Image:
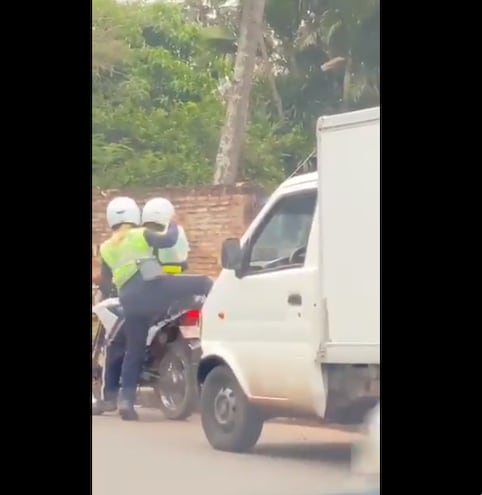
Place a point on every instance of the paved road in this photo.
(155, 456)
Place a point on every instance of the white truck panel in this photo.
(349, 201)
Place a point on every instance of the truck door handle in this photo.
(294, 299)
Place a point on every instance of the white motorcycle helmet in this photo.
(123, 210)
(159, 211)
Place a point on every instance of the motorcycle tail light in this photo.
(191, 318)
(189, 324)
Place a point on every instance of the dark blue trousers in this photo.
(114, 356)
(124, 359)
(135, 331)
(142, 302)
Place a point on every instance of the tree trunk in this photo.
(268, 66)
(232, 136)
(346, 98)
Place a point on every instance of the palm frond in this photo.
(364, 87)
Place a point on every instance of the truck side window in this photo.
(281, 240)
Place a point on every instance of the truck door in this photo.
(274, 317)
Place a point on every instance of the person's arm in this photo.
(162, 241)
(105, 284)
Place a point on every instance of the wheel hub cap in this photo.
(224, 406)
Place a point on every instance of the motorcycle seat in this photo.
(116, 309)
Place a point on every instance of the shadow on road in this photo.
(339, 453)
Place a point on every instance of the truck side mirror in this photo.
(231, 254)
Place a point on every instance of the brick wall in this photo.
(209, 214)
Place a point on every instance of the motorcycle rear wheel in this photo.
(177, 371)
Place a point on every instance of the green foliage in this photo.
(350, 29)
(157, 112)
(157, 68)
(156, 115)
(271, 152)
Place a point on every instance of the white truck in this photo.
(291, 327)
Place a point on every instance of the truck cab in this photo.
(292, 324)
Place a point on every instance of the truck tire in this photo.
(229, 421)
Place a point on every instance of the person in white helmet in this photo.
(143, 300)
(121, 257)
(157, 215)
(122, 214)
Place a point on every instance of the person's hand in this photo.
(334, 64)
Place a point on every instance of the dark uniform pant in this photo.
(135, 331)
(124, 359)
(142, 302)
(114, 355)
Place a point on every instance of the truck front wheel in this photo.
(229, 422)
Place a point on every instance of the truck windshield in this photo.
(286, 229)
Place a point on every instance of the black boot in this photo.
(127, 411)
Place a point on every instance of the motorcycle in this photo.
(173, 351)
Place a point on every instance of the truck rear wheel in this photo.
(229, 421)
